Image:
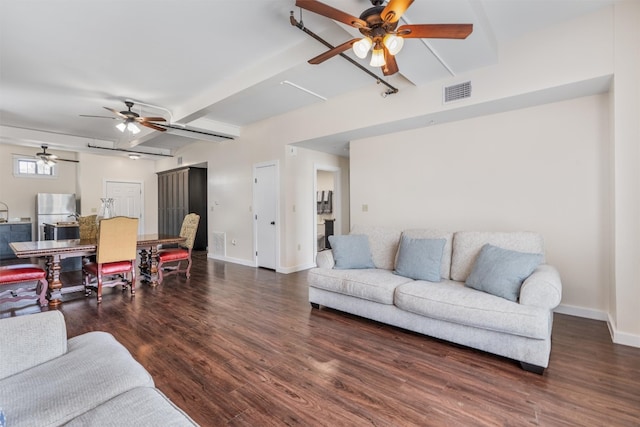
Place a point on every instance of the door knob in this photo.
(273, 223)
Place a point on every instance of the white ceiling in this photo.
(217, 65)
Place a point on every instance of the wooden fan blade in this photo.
(330, 12)
(394, 10)
(333, 52)
(150, 119)
(117, 113)
(391, 66)
(152, 126)
(97, 117)
(435, 31)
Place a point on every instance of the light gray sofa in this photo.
(88, 380)
(447, 309)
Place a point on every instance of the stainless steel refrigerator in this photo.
(53, 208)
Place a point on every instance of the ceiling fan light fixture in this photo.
(128, 125)
(361, 47)
(377, 58)
(393, 43)
(45, 158)
(133, 128)
(44, 161)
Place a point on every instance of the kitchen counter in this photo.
(63, 224)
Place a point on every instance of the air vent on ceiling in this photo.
(457, 92)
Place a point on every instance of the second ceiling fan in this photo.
(131, 118)
(379, 25)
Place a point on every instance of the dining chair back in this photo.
(115, 256)
(170, 256)
(88, 227)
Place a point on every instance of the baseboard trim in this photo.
(587, 313)
(232, 260)
(294, 269)
(623, 338)
(283, 270)
(617, 337)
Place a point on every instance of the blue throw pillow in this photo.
(420, 259)
(351, 251)
(501, 272)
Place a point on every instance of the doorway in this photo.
(128, 200)
(265, 214)
(328, 207)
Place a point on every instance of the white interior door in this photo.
(127, 200)
(265, 215)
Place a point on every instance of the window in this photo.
(29, 167)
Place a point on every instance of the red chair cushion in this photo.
(21, 273)
(108, 268)
(177, 254)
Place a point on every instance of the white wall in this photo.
(624, 313)
(542, 169)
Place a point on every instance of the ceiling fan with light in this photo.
(379, 26)
(50, 159)
(130, 119)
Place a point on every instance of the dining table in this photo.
(54, 251)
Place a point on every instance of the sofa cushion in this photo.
(467, 246)
(141, 406)
(427, 233)
(47, 338)
(420, 259)
(501, 272)
(453, 302)
(351, 251)
(376, 285)
(383, 242)
(95, 368)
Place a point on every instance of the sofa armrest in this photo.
(324, 259)
(30, 340)
(543, 288)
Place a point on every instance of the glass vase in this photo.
(106, 210)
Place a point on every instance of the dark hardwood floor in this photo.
(241, 346)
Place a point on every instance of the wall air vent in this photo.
(457, 92)
(219, 244)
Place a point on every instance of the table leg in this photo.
(144, 263)
(153, 266)
(53, 276)
(149, 265)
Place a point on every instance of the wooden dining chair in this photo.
(24, 274)
(88, 227)
(170, 256)
(115, 262)
(88, 231)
